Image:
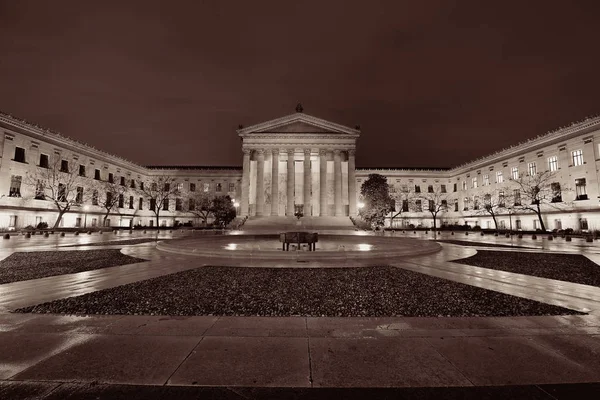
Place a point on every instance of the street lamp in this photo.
(236, 205)
(85, 210)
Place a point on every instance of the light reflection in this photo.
(365, 247)
(231, 246)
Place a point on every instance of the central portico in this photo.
(298, 160)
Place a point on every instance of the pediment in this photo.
(298, 123)
(297, 127)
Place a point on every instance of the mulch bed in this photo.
(41, 264)
(563, 267)
(332, 292)
(479, 244)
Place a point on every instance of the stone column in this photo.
(352, 182)
(323, 182)
(289, 211)
(275, 182)
(260, 183)
(307, 184)
(245, 183)
(337, 187)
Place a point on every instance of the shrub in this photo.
(29, 228)
(476, 228)
(42, 225)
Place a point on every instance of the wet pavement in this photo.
(67, 353)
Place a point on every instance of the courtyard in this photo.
(463, 315)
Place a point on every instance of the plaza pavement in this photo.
(298, 352)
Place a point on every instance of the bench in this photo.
(299, 237)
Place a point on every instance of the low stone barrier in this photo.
(310, 238)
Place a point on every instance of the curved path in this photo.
(45, 351)
(570, 295)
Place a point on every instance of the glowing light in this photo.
(236, 204)
(365, 247)
(231, 246)
(361, 205)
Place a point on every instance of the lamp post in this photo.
(85, 210)
(236, 205)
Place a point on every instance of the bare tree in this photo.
(533, 192)
(495, 203)
(436, 201)
(200, 204)
(159, 190)
(61, 184)
(109, 194)
(401, 198)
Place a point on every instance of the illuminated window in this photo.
(474, 182)
(515, 172)
(577, 157)
(531, 168)
(206, 187)
(486, 180)
(553, 163)
(499, 177)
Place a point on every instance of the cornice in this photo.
(553, 137)
(297, 117)
(55, 137)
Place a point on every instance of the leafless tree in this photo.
(159, 190)
(109, 194)
(495, 203)
(200, 204)
(436, 202)
(401, 197)
(61, 184)
(533, 192)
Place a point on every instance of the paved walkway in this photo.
(300, 352)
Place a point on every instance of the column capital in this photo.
(352, 152)
(246, 151)
(260, 151)
(275, 151)
(307, 152)
(323, 152)
(337, 152)
(290, 152)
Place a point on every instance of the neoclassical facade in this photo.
(303, 163)
(298, 162)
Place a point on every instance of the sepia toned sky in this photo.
(432, 83)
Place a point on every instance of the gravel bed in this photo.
(40, 264)
(332, 292)
(117, 242)
(480, 244)
(563, 267)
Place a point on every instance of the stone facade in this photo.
(300, 161)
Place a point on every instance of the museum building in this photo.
(303, 163)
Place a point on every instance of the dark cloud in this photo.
(431, 83)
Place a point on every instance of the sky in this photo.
(431, 83)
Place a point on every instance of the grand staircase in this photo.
(283, 224)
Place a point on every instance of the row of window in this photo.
(64, 167)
